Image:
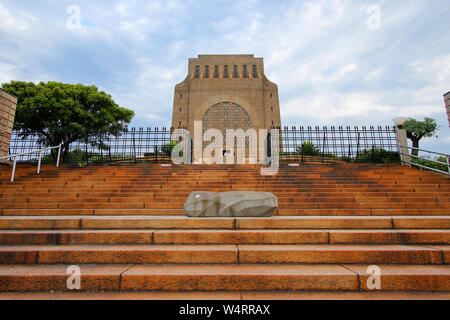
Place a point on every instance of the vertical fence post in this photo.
(357, 145)
(14, 169)
(302, 153)
(399, 150)
(101, 150)
(59, 155)
(373, 154)
(86, 155)
(134, 145)
(323, 148)
(39, 162)
(448, 164)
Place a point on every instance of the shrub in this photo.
(168, 147)
(432, 164)
(378, 155)
(308, 149)
(79, 157)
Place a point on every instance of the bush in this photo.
(168, 147)
(80, 157)
(432, 164)
(308, 149)
(378, 155)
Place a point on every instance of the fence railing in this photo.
(332, 143)
(147, 146)
(426, 163)
(132, 146)
(39, 152)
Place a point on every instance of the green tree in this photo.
(308, 149)
(59, 113)
(416, 130)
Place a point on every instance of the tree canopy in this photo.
(416, 130)
(59, 113)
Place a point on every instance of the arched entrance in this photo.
(226, 115)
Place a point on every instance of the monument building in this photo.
(7, 112)
(226, 92)
(447, 105)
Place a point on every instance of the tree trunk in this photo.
(54, 154)
(65, 152)
(415, 145)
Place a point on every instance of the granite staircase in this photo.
(125, 228)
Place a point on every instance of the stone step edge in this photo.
(226, 295)
(314, 277)
(79, 222)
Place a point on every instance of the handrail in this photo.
(31, 152)
(431, 160)
(441, 154)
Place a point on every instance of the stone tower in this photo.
(226, 92)
(447, 106)
(7, 113)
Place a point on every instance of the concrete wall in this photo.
(7, 112)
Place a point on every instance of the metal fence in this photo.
(297, 144)
(131, 146)
(328, 144)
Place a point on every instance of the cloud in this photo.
(330, 68)
(14, 23)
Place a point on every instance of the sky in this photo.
(336, 62)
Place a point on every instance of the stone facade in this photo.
(226, 91)
(447, 105)
(7, 112)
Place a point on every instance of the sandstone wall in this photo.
(207, 84)
(447, 105)
(7, 112)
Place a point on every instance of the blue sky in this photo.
(331, 66)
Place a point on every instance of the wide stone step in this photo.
(21, 237)
(180, 212)
(284, 197)
(113, 254)
(92, 212)
(348, 254)
(329, 186)
(221, 254)
(180, 205)
(224, 277)
(381, 196)
(164, 197)
(362, 212)
(298, 237)
(227, 295)
(183, 222)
